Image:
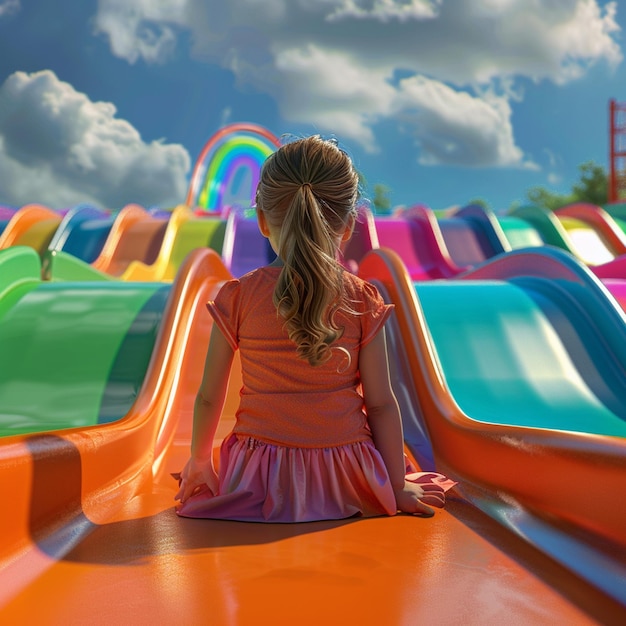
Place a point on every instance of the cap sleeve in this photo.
(375, 312)
(225, 311)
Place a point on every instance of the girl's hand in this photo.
(408, 500)
(195, 478)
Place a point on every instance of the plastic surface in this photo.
(522, 387)
(73, 354)
(136, 235)
(416, 237)
(184, 233)
(82, 232)
(617, 288)
(486, 220)
(6, 213)
(89, 473)
(552, 263)
(579, 229)
(617, 212)
(19, 268)
(33, 225)
(60, 266)
(519, 232)
(91, 535)
(613, 269)
(588, 244)
(546, 224)
(601, 222)
(526, 370)
(472, 234)
(244, 248)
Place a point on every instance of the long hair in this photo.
(308, 190)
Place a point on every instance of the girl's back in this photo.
(284, 399)
(318, 432)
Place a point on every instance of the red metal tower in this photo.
(617, 152)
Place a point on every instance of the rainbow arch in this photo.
(231, 158)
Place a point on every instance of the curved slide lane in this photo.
(521, 379)
(599, 221)
(71, 356)
(184, 232)
(92, 537)
(416, 236)
(472, 234)
(32, 225)
(83, 232)
(91, 447)
(135, 235)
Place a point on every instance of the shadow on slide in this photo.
(94, 379)
(520, 371)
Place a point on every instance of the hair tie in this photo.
(303, 185)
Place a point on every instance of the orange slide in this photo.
(33, 225)
(135, 235)
(89, 535)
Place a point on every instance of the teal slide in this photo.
(512, 380)
(519, 353)
(532, 339)
(71, 354)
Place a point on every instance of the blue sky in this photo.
(443, 101)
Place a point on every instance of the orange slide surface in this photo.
(89, 534)
(135, 235)
(33, 225)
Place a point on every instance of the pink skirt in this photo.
(262, 482)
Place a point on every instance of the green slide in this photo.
(519, 232)
(71, 354)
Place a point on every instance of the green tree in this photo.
(381, 201)
(480, 202)
(548, 199)
(592, 187)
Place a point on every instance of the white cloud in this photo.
(8, 7)
(59, 148)
(384, 10)
(329, 89)
(554, 179)
(332, 63)
(226, 116)
(454, 127)
(585, 37)
(141, 28)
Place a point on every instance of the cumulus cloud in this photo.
(59, 148)
(456, 128)
(335, 63)
(329, 89)
(141, 28)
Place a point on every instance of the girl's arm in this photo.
(199, 470)
(383, 415)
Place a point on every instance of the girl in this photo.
(318, 432)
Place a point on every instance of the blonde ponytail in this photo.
(308, 189)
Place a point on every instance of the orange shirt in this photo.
(284, 400)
